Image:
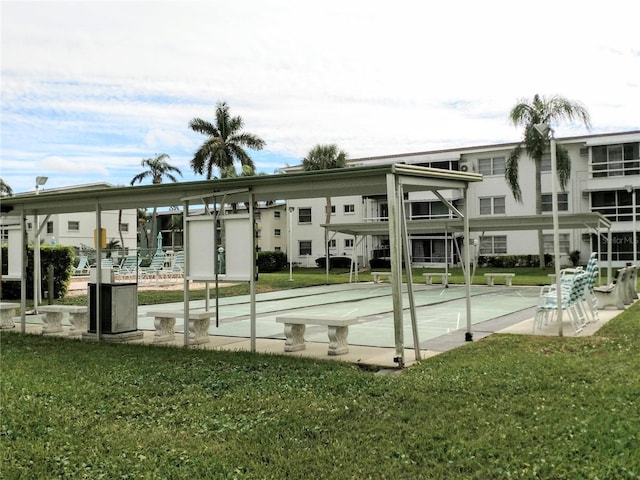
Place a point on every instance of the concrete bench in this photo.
(7, 313)
(53, 315)
(444, 277)
(378, 275)
(338, 331)
(197, 323)
(507, 278)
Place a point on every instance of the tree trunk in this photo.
(538, 174)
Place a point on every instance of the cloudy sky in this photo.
(90, 89)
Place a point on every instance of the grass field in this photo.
(505, 407)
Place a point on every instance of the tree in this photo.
(528, 113)
(325, 157)
(225, 144)
(158, 169)
(5, 189)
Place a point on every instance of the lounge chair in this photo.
(83, 266)
(154, 270)
(613, 295)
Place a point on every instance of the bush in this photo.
(271, 261)
(376, 263)
(334, 262)
(512, 261)
(62, 259)
(575, 257)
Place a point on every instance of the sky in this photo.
(89, 89)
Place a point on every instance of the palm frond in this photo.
(563, 166)
(511, 173)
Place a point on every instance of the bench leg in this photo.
(164, 329)
(428, 280)
(507, 281)
(338, 340)
(6, 318)
(79, 324)
(445, 281)
(198, 331)
(52, 322)
(490, 281)
(294, 337)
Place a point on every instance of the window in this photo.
(257, 215)
(563, 202)
(333, 209)
(493, 245)
(348, 243)
(491, 166)
(304, 215)
(304, 247)
(492, 206)
(73, 226)
(276, 214)
(349, 209)
(615, 160)
(332, 243)
(545, 164)
(564, 243)
(277, 249)
(49, 227)
(124, 227)
(276, 232)
(435, 209)
(615, 205)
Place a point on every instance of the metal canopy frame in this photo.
(392, 180)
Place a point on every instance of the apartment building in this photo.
(77, 229)
(605, 178)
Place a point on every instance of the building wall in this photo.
(582, 186)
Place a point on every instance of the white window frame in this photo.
(301, 216)
(563, 202)
(349, 209)
(75, 224)
(306, 245)
(489, 166)
(493, 245)
(496, 205)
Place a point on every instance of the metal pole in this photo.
(467, 264)
(556, 228)
(633, 227)
(396, 267)
(252, 278)
(291, 210)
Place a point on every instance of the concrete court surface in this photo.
(440, 312)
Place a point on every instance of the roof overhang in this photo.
(316, 184)
(482, 224)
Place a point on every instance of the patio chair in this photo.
(154, 270)
(107, 263)
(129, 267)
(589, 297)
(83, 266)
(572, 287)
(176, 269)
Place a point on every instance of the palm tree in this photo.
(225, 144)
(158, 169)
(325, 157)
(528, 113)
(5, 189)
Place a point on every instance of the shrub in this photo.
(271, 261)
(62, 259)
(334, 262)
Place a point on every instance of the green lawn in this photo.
(506, 407)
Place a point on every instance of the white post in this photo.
(556, 228)
(290, 254)
(633, 227)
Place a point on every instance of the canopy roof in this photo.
(482, 224)
(315, 184)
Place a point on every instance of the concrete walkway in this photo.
(440, 318)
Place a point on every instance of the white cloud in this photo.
(110, 83)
